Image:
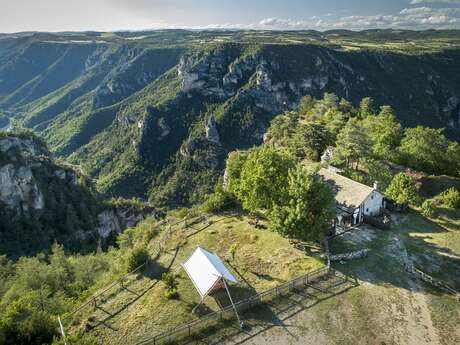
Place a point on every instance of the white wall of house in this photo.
(373, 204)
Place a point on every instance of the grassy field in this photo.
(387, 307)
(391, 307)
(262, 260)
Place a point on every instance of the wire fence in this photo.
(194, 327)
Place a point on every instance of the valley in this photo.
(123, 153)
(132, 108)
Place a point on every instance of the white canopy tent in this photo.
(207, 272)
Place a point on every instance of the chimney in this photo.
(376, 185)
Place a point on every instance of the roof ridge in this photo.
(347, 178)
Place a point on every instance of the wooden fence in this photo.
(433, 281)
(123, 281)
(196, 326)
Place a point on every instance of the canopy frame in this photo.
(220, 278)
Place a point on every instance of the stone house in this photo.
(354, 200)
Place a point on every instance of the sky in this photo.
(113, 15)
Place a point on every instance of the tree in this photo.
(24, 322)
(263, 179)
(385, 132)
(233, 170)
(377, 172)
(453, 156)
(282, 128)
(346, 107)
(335, 121)
(425, 149)
(310, 140)
(402, 189)
(329, 101)
(366, 107)
(306, 104)
(353, 144)
(309, 212)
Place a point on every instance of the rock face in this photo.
(140, 107)
(113, 221)
(212, 134)
(18, 189)
(274, 79)
(42, 202)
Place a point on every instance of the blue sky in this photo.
(75, 15)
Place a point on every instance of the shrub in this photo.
(219, 202)
(137, 257)
(171, 293)
(171, 285)
(449, 198)
(232, 251)
(428, 208)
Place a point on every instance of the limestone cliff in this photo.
(43, 201)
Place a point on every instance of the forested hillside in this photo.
(43, 201)
(154, 114)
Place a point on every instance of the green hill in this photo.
(132, 108)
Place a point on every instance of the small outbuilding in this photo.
(354, 200)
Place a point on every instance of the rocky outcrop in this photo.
(115, 220)
(14, 146)
(212, 134)
(19, 190)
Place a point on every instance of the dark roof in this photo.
(348, 193)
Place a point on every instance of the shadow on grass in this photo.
(153, 271)
(276, 313)
(409, 237)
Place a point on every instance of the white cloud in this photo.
(408, 18)
(451, 2)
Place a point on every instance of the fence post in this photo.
(61, 326)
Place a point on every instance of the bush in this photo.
(232, 251)
(171, 293)
(219, 202)
(428, 208)
(78, 339)
(137, 257)
(171, 285)
(449, 198)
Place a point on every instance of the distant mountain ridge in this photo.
(135, 109)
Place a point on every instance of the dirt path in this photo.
(420, 328)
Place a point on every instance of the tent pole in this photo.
(240, 323)
(194, 308)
